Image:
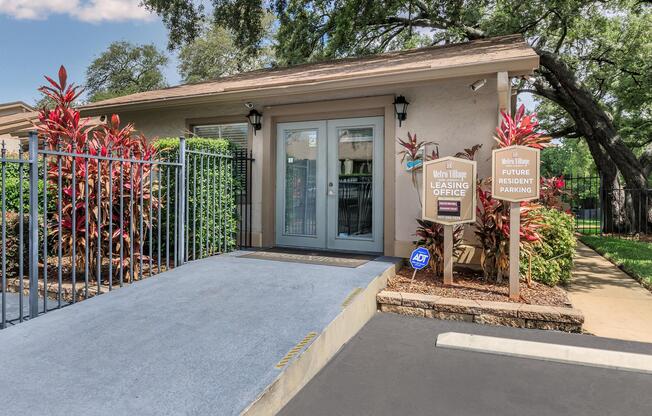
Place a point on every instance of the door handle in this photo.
(330, 189)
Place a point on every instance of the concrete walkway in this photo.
(202, 339)
(614, 304)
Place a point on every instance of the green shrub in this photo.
(552, 257)
(12, 187)
(216, 222)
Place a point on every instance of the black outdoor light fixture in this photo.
(254, 119)
(400, 106)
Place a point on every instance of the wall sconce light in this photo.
(254, 119)
(400, 107)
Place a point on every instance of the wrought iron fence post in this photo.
(33, 225)
(181, 189)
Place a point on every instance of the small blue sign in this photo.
(419, 258)
(413, 164)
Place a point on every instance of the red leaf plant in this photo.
(519, 130)
(552, 191)
(62, 129)
(430, 234)
(492, 230)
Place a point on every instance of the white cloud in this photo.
(84, 10)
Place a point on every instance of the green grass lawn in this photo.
(587, 226)
(635, 257)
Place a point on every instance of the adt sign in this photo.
(419, 258)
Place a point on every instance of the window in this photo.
(236, 133)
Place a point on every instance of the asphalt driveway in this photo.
(392, 367)
(202, 339)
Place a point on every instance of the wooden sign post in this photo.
(449, 198)
(515, 171)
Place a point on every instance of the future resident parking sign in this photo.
(515, 174)
(449, 186)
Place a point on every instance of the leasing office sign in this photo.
(515, 172)
(449, 191)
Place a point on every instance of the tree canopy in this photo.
(125, 68)
(595, 55)
(215, 53)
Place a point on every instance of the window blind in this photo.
(236, 133)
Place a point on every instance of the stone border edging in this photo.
(515, 315)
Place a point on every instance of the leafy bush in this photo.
(12, 186)
(492, 216)
(492, 229)
(64, 129)
(215, 224)
(552, 256)
(552, 192)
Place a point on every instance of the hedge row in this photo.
(212, 213)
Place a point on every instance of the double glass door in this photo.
(329, 184)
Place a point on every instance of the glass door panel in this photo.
(300, 182)
(355, 157)
(355, 184)
(301, 167)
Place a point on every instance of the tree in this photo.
(123, 69)
(215, 54)
(567, 157)
(595, 55)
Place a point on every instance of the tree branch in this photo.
(570, 132)
(646, 160)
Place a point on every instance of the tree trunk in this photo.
(611, 195)
(595, 124)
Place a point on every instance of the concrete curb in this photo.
(297, 374)
(567, 354)
(515, 315)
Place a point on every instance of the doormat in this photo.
(325, 258)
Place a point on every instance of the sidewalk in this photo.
(614, 304)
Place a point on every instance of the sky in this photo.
(37, 36)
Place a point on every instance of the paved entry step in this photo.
(325, 258)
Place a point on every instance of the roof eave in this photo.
(515, 67)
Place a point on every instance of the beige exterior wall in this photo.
(445, 111)
(12, 143)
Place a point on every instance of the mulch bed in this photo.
(471, 285)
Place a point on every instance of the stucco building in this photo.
(331, 127)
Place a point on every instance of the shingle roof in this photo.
(499, 49)
(20, 123)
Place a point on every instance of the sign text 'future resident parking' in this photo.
(515, 174)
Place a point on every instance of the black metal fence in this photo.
(242, 166)
(77, 223)
(602, 209)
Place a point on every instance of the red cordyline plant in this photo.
(431, 235)
(492, 229)
(63, 129)
(414, 150)
(552, 191)
(519, 130)
(492, 216)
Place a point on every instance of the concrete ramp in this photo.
(218, 336)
